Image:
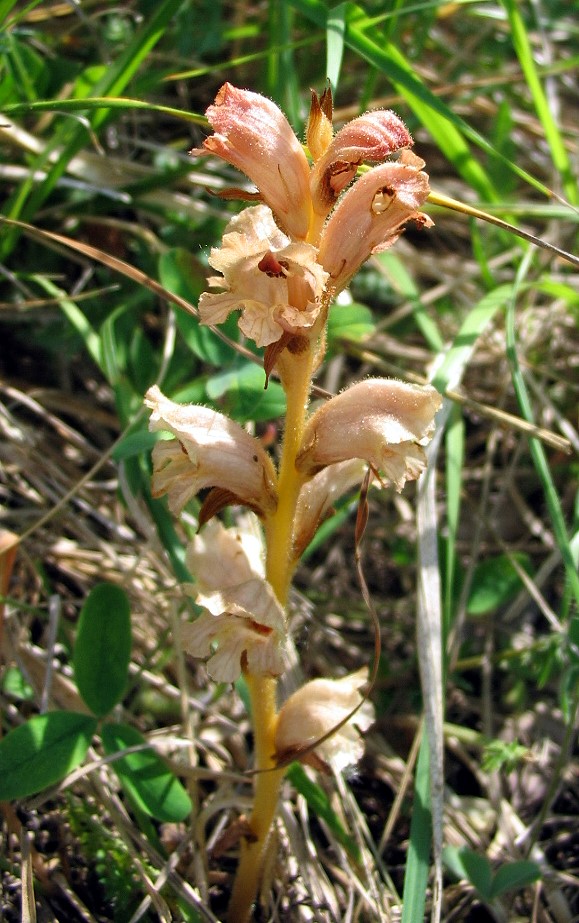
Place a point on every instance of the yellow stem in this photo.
(296, 376)
(295, 373)
(247, 880)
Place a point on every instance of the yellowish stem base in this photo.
(296, 373)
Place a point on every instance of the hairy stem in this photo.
(295, 373)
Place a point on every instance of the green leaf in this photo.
(514, 876)
(145, 777)
(182, 274)
(14, 685)
(244, 394)
(103, 648)
(495, 581)
(42, 752)
(335, 30)
(137, 443)
(468, 865)
(319, 804)
(574, 638)
(351, 322)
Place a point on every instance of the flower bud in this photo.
(318, 495)
(319, 132)
(371, 137)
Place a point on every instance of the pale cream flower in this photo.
(221, 557)
(276, 284)
(242, 617)
(311, 713)
(209, 450)
(242, 644)
(383, 421)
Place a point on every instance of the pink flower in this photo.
(278, 285)
(209, 450)
(383, 421)
(372, 216)
(371, 137)
(253, 134)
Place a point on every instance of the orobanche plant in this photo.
(280, 264)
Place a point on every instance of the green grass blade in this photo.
(124, 69)
(101, 102)
(535, 447)
(448, 129)
(77, 319)
(335, 31)
(5, 7)
(552, 134)
(417, 865)
(440, 122)
(450, 370)
(67, 140)
(402, 282)
(455, 457)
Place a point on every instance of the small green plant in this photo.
(500, 755)
(469, 865)
(46, 748)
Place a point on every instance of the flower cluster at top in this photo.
(281, 262)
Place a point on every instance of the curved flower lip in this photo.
(372, 215)
(311, 713)
(276, 283)
(209, 450)
(240, 642)
(253, 134)
(372, 137)
(383, 421)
